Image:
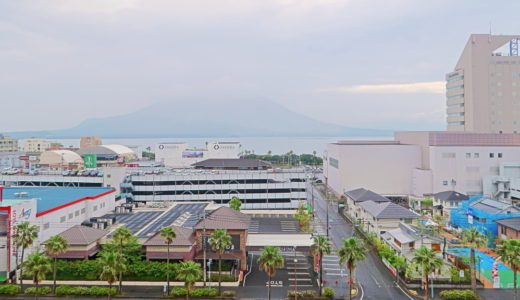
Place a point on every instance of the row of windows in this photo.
(503, 62)
(216, 192)
(455, 123)
(458, 114)
(455, 96)
(456, 105)
(456, 78)
(70, 216)
(454, 88)
(477, 155)
(216, 181)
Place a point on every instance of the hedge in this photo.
(204, 292)
(9, 289)
(458, 295)
(64, 290)
(44, 290)
(228, 294)
(308, 294)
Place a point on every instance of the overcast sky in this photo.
(362, 63)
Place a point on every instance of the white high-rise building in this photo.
(483, 92)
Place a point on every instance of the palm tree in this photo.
(352, 251)
(54, 246)
(428, 260)
(473, 239)
(399, 264)
(24, 237)
(111, 264)
(235, 203)
(168, 234)
(219, 242)
(122, 235)
(509, 252)
(189, 272)
(321, 245)
(270, 259)
(37, 265)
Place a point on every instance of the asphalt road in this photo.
(377, 282)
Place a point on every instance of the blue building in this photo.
(481, 212)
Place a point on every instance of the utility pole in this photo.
(327, 199)
(204, 241)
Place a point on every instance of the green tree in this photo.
(428, 261)
(473, 239)
(321, 245)
(189, 272)
(168, 234)
(269, 260)
(235, 203)
(37, 265)
(352, 252)
(400, 264)
(219, 241)
(303, 216)
(54, 246)
(111, 264)
(24, 237)
(122, 236)
(440, 222)
(509, 252)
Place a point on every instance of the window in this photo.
(76, 213)
(476, 155)
(448, 155)
(468, 155)
(46, 226)
(503, 230)
(458, 96)
(459, 114)
(82, 211)
(71, 215)
(456, 105)
(456, 123)
(454, 88)
(334, 162)
(63, 219)
(95, 208)
(491, 155)
(499, 155)
(445, 182)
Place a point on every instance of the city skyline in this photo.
(340, 62)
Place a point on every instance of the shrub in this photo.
(204, 292)
(328, 292)
(458, 295)
(9, 289)
(44, 290)
(228, 294)
(178, 292)
(309, 293)
(454, 274)
(64, 290)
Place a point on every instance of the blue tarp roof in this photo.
(50, 197)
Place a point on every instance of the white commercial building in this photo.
(36, 145)
(52, 209)
(179, 155)
(483, 92)
(419, 163)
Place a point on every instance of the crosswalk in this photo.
(298, 270)
(253, 226)
(289, 225)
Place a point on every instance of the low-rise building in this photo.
(406, 238)
(355, 197)
(182, 247)
(83, 241)
(444, 202)
(8, 144)
(509, 228)
(61, 159)
(89, 141)
(380, 217)
(36, 145)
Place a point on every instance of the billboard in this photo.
(90, 161)
(192, 154)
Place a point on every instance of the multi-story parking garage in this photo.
(258, 189)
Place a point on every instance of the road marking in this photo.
(298, 273)
(373, 278)
(404, 292)
(334, 274)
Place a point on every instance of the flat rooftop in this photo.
(51, 197)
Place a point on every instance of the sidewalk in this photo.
(128, 283)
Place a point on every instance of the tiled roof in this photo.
(184, 237)
(360, 195)
(494, 206)
(387, 210)
(225, 218)
(513, 223)
(450, 196)
(82, 235)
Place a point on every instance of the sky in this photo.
(360, 63)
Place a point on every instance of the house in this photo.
(482, 212)
(84, 242)
(354, 197)
(236, 224)
(406, 238)
(444, 202)
(380, 217)
(509, 228)
(183, 246)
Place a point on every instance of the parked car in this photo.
(100, 174)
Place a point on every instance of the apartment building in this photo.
(419, 163)
(8, 144)
(36, 145)
(483, 91)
